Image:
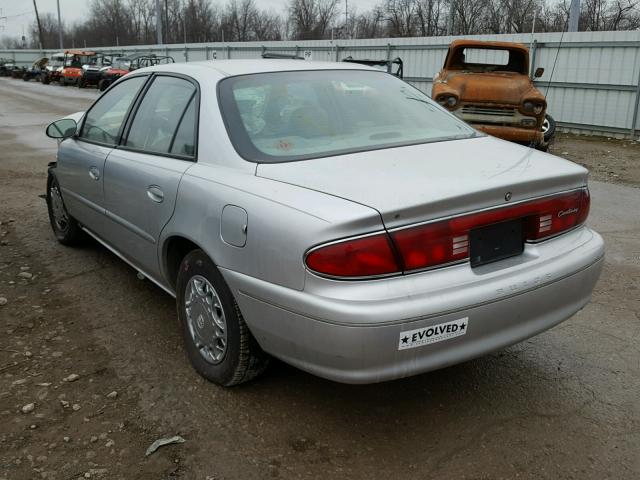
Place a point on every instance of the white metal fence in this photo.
(595, 87)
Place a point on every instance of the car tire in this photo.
(65, 227)
(218, 342)
(46, 80)
(548, 128)
(103, 85)
(82, 83)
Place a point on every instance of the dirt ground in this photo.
(608, 159)
(562, 405)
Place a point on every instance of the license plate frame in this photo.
(496, 242)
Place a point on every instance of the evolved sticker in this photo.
(432, 334)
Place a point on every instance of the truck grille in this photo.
(491, 111)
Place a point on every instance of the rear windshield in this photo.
(285, 116)
(483, 60)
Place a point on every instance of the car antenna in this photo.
(555, 60)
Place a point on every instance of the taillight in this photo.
(446, 241)
(360, 257)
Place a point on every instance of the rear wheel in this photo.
(45, 79)
(103, 85)
(82, 83)
(65, 227)
(218, 342)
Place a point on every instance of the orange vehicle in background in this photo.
(73, 62)
(487, 84)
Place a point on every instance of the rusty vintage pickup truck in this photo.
(487, 84)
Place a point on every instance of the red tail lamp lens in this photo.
(441, 242)
(447, 241)
(360, 257)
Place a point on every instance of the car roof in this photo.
(226, 68)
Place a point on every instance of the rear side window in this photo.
(103, 121)
(163, 116)
(184, 142)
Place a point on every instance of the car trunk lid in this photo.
(424, 182)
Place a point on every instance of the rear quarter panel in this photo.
(284, 221)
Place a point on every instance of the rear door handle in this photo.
(94, 173)
(155, 194)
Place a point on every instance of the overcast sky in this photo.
(19, 13)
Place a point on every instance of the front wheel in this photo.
(218, 342)
(548, 128)
(65, 227)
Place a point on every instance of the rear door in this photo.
(81, 158)
(142, 175)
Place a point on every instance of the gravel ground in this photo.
(608, 159)
(562, 405)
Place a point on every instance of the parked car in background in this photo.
(487, 84)
(6, 66)
(53, 69)
(328, 214)
(92, 71)
(37, 70)
(73, 62)
(17, 71)
(118, 68)
(127, 64)
(143, 61)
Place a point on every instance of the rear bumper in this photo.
(513, 134)
(343, 336)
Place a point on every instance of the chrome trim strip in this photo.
(127, 261)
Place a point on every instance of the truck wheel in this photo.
(548, 128)
(103, 85)
(218, 342)
(46, 80)
(65, 227)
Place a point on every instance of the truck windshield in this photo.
(285, 116)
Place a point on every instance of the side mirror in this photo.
(64, 128)
(539, 72)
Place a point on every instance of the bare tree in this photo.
(401, 17)
(130, 22)
(311, 19)
(428, 16)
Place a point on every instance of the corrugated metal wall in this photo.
(595, 86)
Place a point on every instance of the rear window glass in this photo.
(488, 60)
(486, 56)
(285, 116)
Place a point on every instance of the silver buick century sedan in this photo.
(326, 214)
